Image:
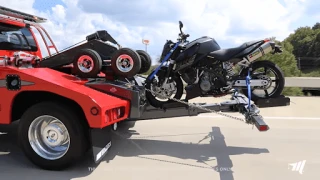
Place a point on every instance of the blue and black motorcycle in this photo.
(209, 70)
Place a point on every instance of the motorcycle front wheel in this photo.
(265, 70)
(159, 95)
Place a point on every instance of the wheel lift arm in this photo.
(238, 103)
(140, 110)
(134, 91)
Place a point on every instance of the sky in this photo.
(230, 22)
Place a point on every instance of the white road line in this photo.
(265, 117)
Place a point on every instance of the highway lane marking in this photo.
(265, 117)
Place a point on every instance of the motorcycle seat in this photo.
(227, 54)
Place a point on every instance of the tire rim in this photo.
(48, 137)
(269, 86)
(85, 63)
(124, 63)
(162, 94)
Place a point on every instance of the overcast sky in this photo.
(230, 22)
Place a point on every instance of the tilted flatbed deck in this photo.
(141, 110)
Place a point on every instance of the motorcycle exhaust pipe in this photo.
(261, 51)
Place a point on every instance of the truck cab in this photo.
(54, 108)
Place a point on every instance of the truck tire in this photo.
(145, 61)
(87, 63)
(64, 130)
(126, 62)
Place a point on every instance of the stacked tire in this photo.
(125, 62)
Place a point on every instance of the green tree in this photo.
(314, 50)
(306, 41)
(316, 26)
(301, 41)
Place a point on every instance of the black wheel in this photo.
(145, 61)
(174, 87)
(126, 62)
(87, 63)
(264, 70)
(52, 136)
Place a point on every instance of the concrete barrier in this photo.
(303, 82)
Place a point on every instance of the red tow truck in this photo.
(62, 114)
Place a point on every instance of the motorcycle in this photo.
(209, 70)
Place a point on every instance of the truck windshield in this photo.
(16, 38)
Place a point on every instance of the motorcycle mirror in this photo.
(180, 25)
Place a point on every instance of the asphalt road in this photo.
(203, 147)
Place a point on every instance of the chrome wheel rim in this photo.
(163, 93)
(49, 137)
(268, 89)
(85, 63)
(124, 63)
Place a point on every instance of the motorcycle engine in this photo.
(189, 76)
(212, 80)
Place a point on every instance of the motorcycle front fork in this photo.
(167, 74)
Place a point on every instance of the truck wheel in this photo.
(126, 62)
(52, 136)
(145, 61)
(87, 63)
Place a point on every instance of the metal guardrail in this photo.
(303, 82)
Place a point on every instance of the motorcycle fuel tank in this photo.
(206, 45)
(200, 46)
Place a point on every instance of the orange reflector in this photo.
(94, 111)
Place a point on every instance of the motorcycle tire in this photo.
(87, 63)
(126, 57)
(276, 70)
(145, 61)
(159, 104)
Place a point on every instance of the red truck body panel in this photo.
(48, 80)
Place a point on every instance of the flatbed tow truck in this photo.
(63, 116)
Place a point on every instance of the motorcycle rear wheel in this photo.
(279, 80)
(152, 98)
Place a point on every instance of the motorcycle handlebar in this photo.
(184, 36)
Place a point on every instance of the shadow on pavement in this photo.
(217, 148)
(14, 165)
